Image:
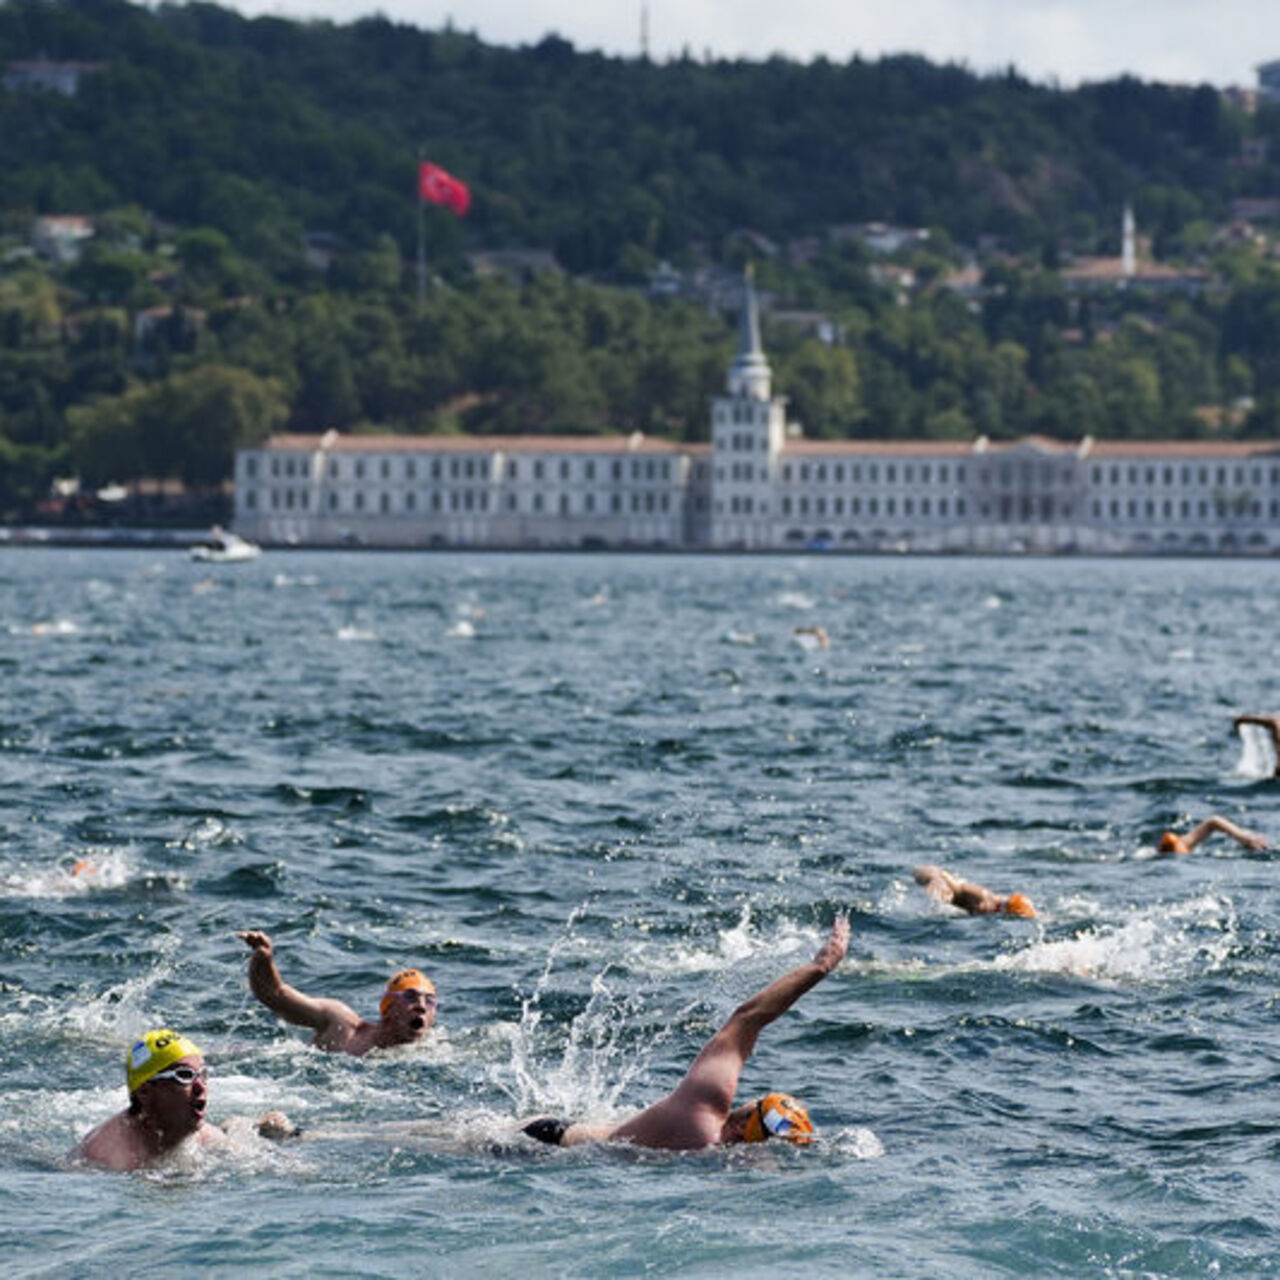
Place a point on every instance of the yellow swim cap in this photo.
(155, 1051)
(1171, 843)
(778, 1115)
(1018, 904)
(406, 980)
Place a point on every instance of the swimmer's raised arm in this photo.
(285, 1001)
(716, 1069)
(1248, 839)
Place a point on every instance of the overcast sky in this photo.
(1188, 41)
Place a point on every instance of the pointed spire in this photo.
(749, 374)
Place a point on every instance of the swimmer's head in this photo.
(153, 1053)
(1018, 904)
(778, 1115)
(1171, 843)
(406, 980)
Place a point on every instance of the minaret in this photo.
(749, 374)
(644, 32)
(1128, 255)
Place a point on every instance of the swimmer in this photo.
(812, 637)
(168, 1092)
(699, 1111)
(408, 1006)
(973, 898)
(1271, 724)
(1170, 842)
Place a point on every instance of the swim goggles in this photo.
(184, 1075)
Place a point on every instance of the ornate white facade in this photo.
(760, 486)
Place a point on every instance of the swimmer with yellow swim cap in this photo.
(1171, 842)
(168, 1092)
(407, 1009)
(699, 1111)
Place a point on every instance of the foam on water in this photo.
(1159, 944)
(91, 871)
(1257, 752)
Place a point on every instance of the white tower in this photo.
(749, 374)
(748, 431)
(1128, 252)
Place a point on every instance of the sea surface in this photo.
(601, 800)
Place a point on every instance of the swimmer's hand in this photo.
(833, 950)
(276, 1126)
(258, 942)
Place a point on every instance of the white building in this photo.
(761, 486)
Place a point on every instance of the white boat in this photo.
(224, 547)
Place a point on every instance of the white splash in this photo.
(1160, 944)
(92, 871)
(1257, 752)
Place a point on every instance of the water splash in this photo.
(1161, 944)
(1257, 752)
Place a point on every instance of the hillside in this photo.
(247, 189)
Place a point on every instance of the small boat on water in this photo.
(224, 547)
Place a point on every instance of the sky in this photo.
(1065, 41)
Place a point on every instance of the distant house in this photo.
(1255, 208)
(58, 237)
(180, 324)
(902, 280)
(53, 77)
(665, 281)
(880, 237)
(816, 324)
(519, 265)
(319, 248)
(1094, 274)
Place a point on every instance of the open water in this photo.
(601, 800)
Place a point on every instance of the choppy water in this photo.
(601, 800)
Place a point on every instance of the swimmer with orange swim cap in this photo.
(976, 899)
(1171, 842)
(168, 1092)
(407, 1009)
(699, 1111)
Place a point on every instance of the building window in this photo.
(564, 468)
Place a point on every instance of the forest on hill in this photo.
(212, 154)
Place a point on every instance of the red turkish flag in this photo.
(437, 186)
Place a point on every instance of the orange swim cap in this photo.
(778, 1115)
(1017, 904)
(405, 980)
(1170, 843)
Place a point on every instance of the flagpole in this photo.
(422, 238)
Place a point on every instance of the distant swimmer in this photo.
(973, 898)
(812, 637)
(168, 1092)
(1171, 842)
(408, 1007)
(699, 1111)
(1271, 724)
